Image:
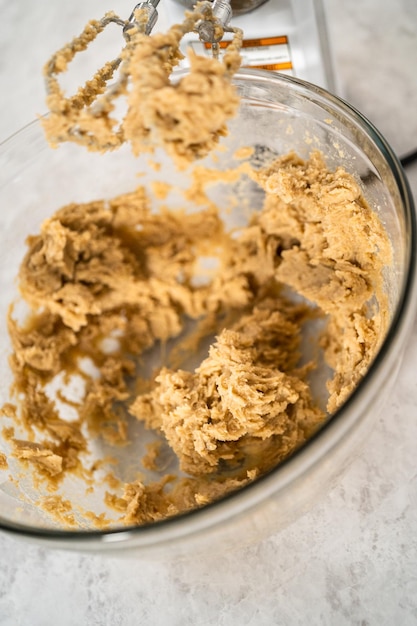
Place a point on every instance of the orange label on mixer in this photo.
(266, 53)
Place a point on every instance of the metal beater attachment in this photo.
(212, 31)
(209, 29)
(88, 118)
(149, 16)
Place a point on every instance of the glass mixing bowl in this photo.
(278, 114)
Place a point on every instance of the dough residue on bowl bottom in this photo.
(111, 282)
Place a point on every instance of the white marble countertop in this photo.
(350, 560)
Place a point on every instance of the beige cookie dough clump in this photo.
(186, 115)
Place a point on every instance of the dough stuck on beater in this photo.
(185, 115)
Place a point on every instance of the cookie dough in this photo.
(3, 461)
(111, 282)
(186, 116)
